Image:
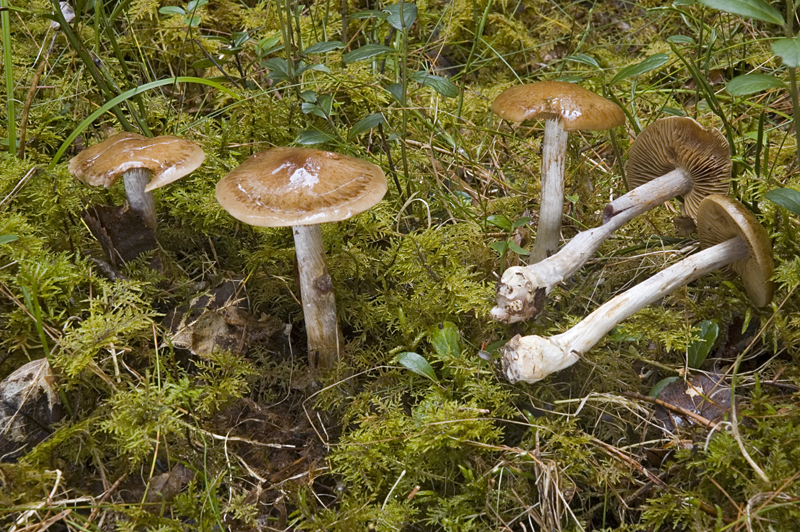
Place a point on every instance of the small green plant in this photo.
(503, 247)
(190, 18)
(787, 48)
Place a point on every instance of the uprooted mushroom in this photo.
(671, 157)
(732, 239)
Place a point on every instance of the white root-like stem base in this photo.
(532, 358)
(319, 303)
(517, 289)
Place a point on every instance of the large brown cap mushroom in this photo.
(577, 108)
(679, 142)
(168, 158)
(300, 186)
(721, 218)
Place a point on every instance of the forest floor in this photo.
(173, 390)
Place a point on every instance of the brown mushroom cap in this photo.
(300, 186)
(578, 108)
(680, 142)
(168, 158)
(721, 218)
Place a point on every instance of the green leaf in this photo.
(5, 239)
(323, 47)
(501, 246)
(519, 222)
(752, 83)
(270, 44)
(651, 63)
(499, 220)
(172, 10)
(516, 249)
(444, 338)
(396, 90)
(680, 39)
(366, 52)
(656, 390)
(194, 5)
(192, 22)
(125, 96)
(583, 58)
(785, 197)
(313, 136)
(747, 8)
(365, 124)
(369, 13)
(789, 50)
(409, 15)
(278, 68)
(417, 364)
(706, 338)
(440, 84)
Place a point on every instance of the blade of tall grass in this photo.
(125, 96)
(9, 68)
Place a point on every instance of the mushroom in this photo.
(732, 240)
(302, 188)
(137, 158)
(671, 157)
(564, 107)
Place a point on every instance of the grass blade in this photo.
(125, 96)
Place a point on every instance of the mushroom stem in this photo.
(517, 286)
(554, 150)
(316, 292)
(532, 358)
(139, 201)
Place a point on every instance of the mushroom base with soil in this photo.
(518, 286)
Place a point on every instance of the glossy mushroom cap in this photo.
(680, 142)
(168, 158)
(300, 186)
(721, 218)
(578, 108)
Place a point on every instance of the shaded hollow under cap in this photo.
(169, 158)
(579, 109)
(680, 142)
(300, 186)
(721, 218)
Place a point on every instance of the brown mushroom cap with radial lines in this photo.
(579, 109)
(680, 142)
(168, 158)
(721, 218)
(300, 186)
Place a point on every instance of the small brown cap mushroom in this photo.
(577, 108)
(168, 158)
(680, 142)
(300, 186)
(721, 218)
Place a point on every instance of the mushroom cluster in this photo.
(732, 239)
(671, 157)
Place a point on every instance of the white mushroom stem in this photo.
(316, 292)
(516, 289)
(554, 151)
(532, 358)
(139, 201)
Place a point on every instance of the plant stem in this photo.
(9, 68)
